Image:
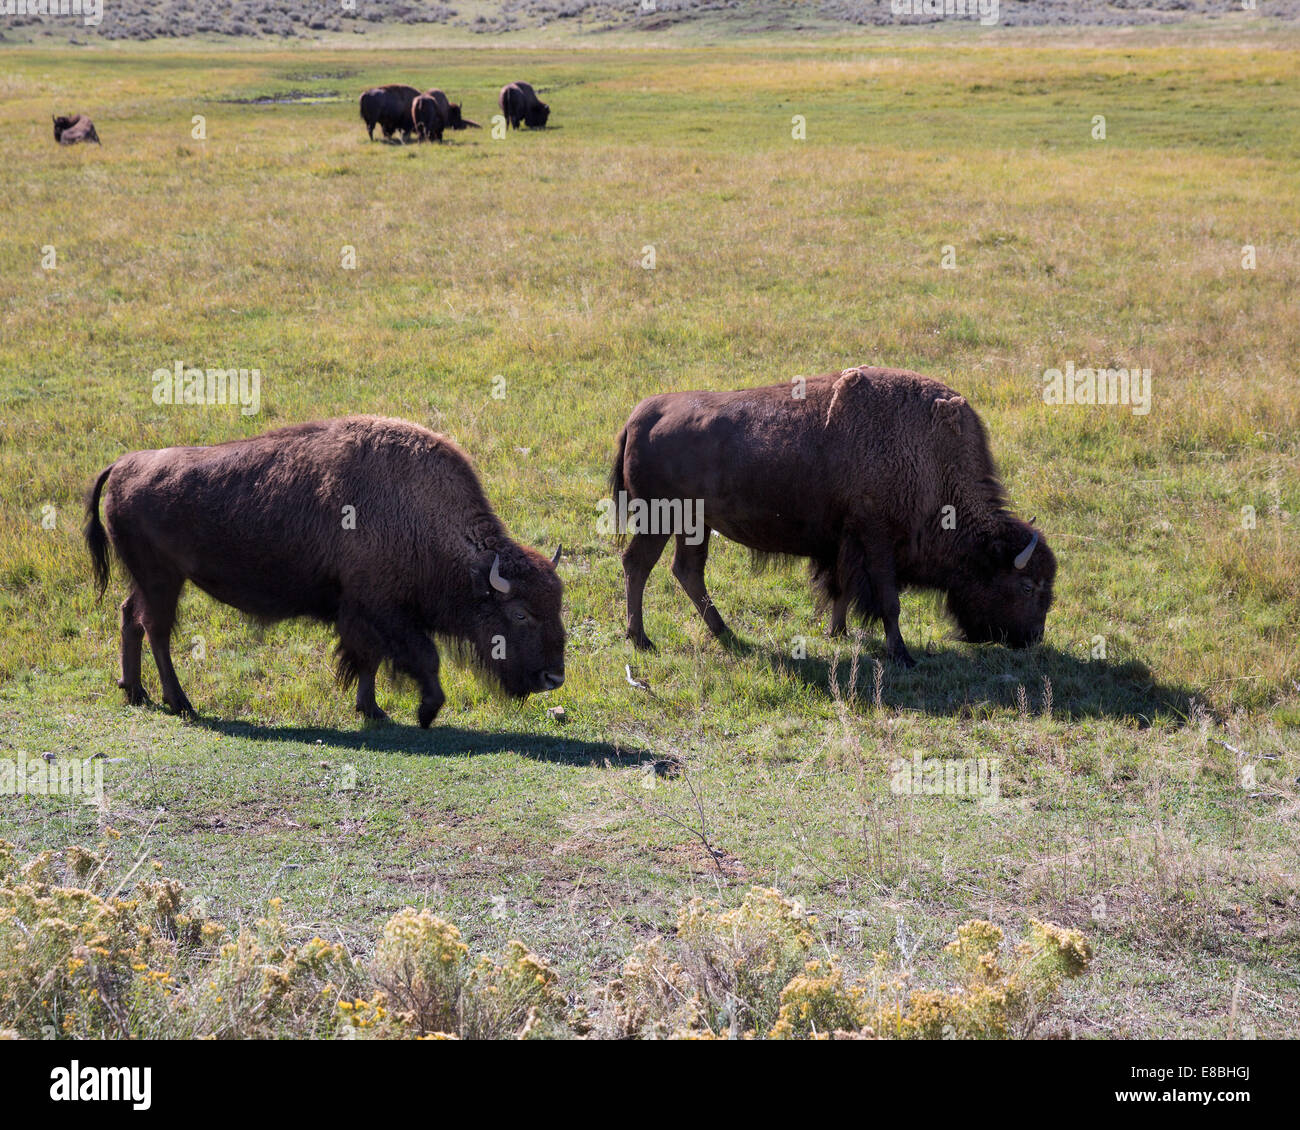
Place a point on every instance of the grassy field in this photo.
(1147, 751)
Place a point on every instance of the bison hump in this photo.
(948, 412)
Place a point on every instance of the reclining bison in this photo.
(882, 477)
(69, 131)
(388, 107)
(432, 114)
(519, 103)
(376, 526)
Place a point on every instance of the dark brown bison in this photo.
(69, 131)
(432, 113)
(388, 107)
(376, 526)
(882, 477)
(519, 103)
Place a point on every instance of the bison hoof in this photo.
(183, 709)
(429, 711)
(373, 715)
(902, 658)
(641, 642)
(135, 695)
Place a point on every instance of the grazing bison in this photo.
(388, 107)
(69, 131)
(519, 103)
(376, 526)
(882, 477)
(431, 114)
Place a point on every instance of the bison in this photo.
(432, 113)
(519, 103)
(376, 526)
(389, 107)
(69, 131)
(881, 477)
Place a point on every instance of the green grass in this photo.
(1123, 811)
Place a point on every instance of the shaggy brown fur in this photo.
(69, 131)
(854, 476)
(263, 524)
(388, 107)
(520, 104)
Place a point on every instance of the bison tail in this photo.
(617, 483)
(96, 536)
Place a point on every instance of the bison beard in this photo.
(881, 477)
(376, 526)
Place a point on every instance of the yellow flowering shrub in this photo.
(726, 976)
(424, 969)
(816, 1004)
(653, 998)
(85, 955)
(77, 961)
(992, 1003)
(420, 963)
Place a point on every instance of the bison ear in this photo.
(998, 553)
(948, 412)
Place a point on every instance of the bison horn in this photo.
(555, 561)
(495, 579)
(1022, 558)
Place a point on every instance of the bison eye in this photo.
(519, 615)
(1027, 587)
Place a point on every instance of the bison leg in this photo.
(866, 576)
(414, 652)
(827, 577)
(895, 648)
(884, 587)
(688, 567)
(159, 615)
(367, 636)
(840, 615)
(638, 559)
(360, 651)
(132, 643)
(367, 707)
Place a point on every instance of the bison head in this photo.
(1003, 591)
(60, 124)
(538, 115)
(518, 634)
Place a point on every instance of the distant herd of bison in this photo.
(394, 108)
(881, 478)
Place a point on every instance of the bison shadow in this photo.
(964, 680)
(441, 741)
